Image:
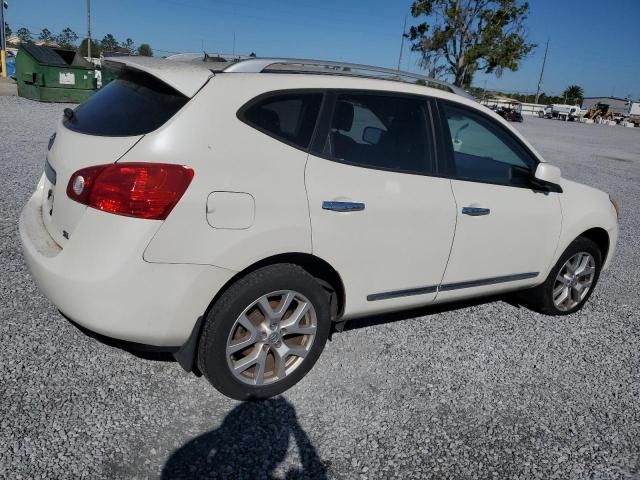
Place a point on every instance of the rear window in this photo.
(134, 104)
(289, 117)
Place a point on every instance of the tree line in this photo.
(572, 95)
(68, 40)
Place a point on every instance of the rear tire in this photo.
(264, 333)
(574, 276)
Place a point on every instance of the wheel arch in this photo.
(317, 267)
(600, 237)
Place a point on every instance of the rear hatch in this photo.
(100, 131)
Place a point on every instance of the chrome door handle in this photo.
(343, 206)
(475, 211)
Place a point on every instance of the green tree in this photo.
(7, 30)
(462, 37)
(95, 48)
(574, 93)
(144, 50)
(128, 44)
(46, 36)
(109, 43)
(67, 39)
(24, 35)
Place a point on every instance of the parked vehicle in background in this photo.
(512, 112)
(508, 108)
(632, 115)
(565, 112)
(229, 213)
(547, 112)
(560, 112)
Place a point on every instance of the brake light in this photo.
(141, 190)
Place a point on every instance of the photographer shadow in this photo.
(251, 443)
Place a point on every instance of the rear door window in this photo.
(382, 131)
(288, 117)
(135, 103)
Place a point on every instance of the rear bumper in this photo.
(101, 282)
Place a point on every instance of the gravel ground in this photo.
(484, 391)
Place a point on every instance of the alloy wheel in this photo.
(271, 337)
(574, 280)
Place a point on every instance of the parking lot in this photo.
(488, 390)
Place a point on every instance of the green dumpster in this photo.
(53, 75)
(108, 75)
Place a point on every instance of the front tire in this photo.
(264, 333)
(571, 281)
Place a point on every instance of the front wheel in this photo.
(571, 281)
(264, 333)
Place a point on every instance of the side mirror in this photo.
(372, 135)
(548, 177)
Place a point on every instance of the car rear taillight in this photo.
(141, 190)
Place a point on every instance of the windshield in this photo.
(134, 104)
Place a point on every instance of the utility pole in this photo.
(3, 40)
(542, 72)
(89, 29)
(404, 28)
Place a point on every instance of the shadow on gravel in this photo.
(426, 311)
(250, 444)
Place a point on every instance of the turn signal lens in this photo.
(141, 190)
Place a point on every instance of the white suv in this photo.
(229, 213)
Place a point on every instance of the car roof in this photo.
(188, 77)
(188, 72)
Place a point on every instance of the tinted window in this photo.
(484, 152)
(134, 104)
(288, 117)
(379, 131)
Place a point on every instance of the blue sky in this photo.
(605, 62)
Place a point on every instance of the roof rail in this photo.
(200, 56)
(325, 67)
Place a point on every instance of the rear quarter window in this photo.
(135, 103)
(288, 117)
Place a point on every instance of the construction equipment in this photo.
(599, 112)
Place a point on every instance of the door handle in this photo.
(342, 206)
(475, 211)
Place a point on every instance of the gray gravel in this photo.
(487, 391)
